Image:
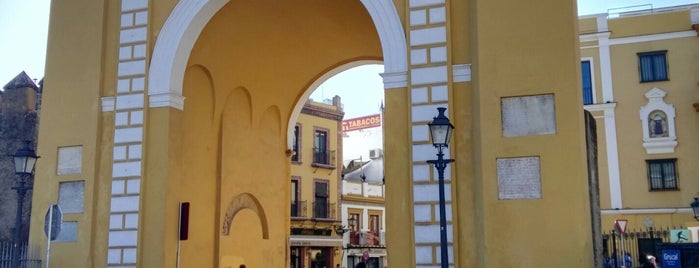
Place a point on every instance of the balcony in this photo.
(367, 239)
(299, 209)
(323, 158)
(324, 211)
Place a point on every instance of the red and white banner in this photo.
(361, 123)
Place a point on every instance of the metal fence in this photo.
(633, 246)
(28, 256)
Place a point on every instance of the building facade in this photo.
(156, 104)
(639, 76)
(364, 211)
(316, 166)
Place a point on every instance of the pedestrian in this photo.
(651, 262)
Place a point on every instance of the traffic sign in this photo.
(52, 221)
(620, 225)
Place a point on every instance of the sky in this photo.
(24, 27)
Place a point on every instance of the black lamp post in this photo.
(440, 131)
(695, 208)
(25, 159)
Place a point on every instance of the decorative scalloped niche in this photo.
(658, 120)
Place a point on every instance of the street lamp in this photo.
(695, 208)
(440, 132)
(25, 159)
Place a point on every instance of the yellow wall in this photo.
(225, 153)
(539, 58)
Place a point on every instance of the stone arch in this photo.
(307, 94)
(182, 28)
(241, 202)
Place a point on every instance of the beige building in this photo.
(316, 166)
(639, 71)
(157, 104)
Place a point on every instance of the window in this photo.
(662, 174)
(320, 155)
(296, 144)
(586, 82)
(355, 226)
(652, 66)
(295, 209)
(320, 204)
(374, 223)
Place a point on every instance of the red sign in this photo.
(361, 122)
(621, 226)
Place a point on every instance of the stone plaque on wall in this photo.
(528, 115)
(519, 178)
(69, 160)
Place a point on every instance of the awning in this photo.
(309, 241)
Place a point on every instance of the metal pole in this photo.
(49, 234)
(440, 164)
(21, 191)
(614, 252)
(652, 241)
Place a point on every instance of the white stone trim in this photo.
(182, 28)
(605, 66)
(656, 102)
(652, 37)
(422, 213)
(418, 56)
(423, 3)
(428, 75)
(601, 107)
(438, 15)
(646, 211)
(421, 173)
(612, 158)
(602, 25)
(126, 169)
(636, 39)
(438, 54)
(461, 73)
(124, 204)
(612, 151)
(395, 80)
(426, 36)
(130, 101)
(127, 68)
(439, 93)
(133, 35)
(418, 17)
(418, 95)
(694, 15)
(129, 5)
(108, 104)
(424, 113)
(125, 135)
(166, 100)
